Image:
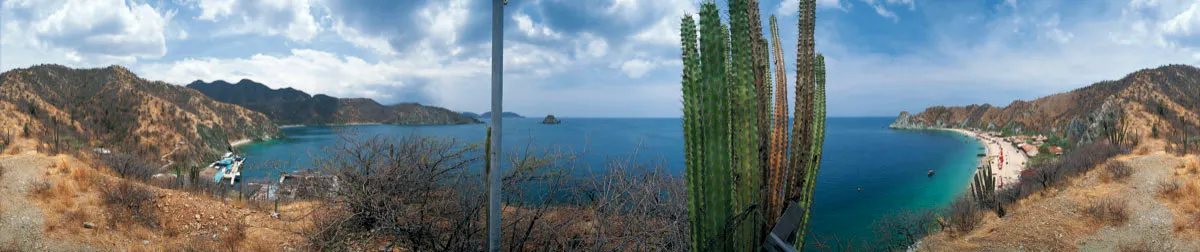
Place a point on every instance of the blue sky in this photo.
(603, 58)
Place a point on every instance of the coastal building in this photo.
(1030, 150)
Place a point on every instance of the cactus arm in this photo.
(693, 145)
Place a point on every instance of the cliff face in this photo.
(290, 106)
(113, 108)
(1163, 98)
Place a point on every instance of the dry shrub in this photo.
(1110, 210)
(2, 170)
(84, 177)
(1117, 170)
(965, 215)
(1192, 166)
(235, 235)
(130, 166)
(1134, 247)
(1170, 189)
(40, 188)
(129, 202)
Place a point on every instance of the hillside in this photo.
(1163, 99)
(291, 106)
(506, 114)
(79, 109)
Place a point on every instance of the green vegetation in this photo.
(735, 145)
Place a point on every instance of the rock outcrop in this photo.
(550, 120)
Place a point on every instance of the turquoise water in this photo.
(889, 165)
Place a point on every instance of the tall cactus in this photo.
(692, 130)
(739, 160)
(745, 143)
(774, 172)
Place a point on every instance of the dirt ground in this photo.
(1057, 219)
(55, 203)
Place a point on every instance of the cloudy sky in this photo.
(603, 58)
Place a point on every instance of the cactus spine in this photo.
(774, 172)
(691, 128)
(740, 164)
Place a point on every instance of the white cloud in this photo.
(84, 33)
(291, 18)
(442, 20)
(638, 67)
(1053, 32)
(353, 36)
(886, 13)
(526, 25)
(1185, 24)
(789, 8)
(591, 45)
(316, 71)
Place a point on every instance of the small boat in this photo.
(930, 173)
(229, 167)
(981, 154)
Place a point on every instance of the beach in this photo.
(999, 150)
(240, 142)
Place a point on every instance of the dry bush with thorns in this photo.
(1114, 211)
(1117, 170)
(130, 166)
(128, 202)
(423, 193)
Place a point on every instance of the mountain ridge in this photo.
(78, 109)
(1145, 102)
(290, 106)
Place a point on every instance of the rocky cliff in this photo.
(1147, 101)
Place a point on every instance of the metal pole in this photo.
(497, 112)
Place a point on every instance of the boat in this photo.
(228, 167)
(981, 154)
(930, 173)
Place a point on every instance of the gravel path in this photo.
(1150, 222)
(21, 222)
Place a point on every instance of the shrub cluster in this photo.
(130, 166)
(1110, 210)
(429, 194)
(1118, 170)
(128, 202)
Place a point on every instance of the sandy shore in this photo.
(998, 151)
(241, 142)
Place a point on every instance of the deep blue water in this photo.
(889, 165)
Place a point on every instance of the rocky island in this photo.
(550, 120)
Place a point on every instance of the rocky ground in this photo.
(1057, 219)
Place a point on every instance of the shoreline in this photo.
(1015, 161)
(240, 142)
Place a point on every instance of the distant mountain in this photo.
(1164, 99)
(506, 114)
(114, 109)
(290, 106)
(470, 114)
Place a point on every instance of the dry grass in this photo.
(1111, 210)
(74, 193)
(1117, 171)
(1181, 194)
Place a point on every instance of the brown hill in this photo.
(1163, 100)
(80, 109)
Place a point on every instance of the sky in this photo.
(603, 58)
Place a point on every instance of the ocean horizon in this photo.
(890, 166)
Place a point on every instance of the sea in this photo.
(890, 166)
